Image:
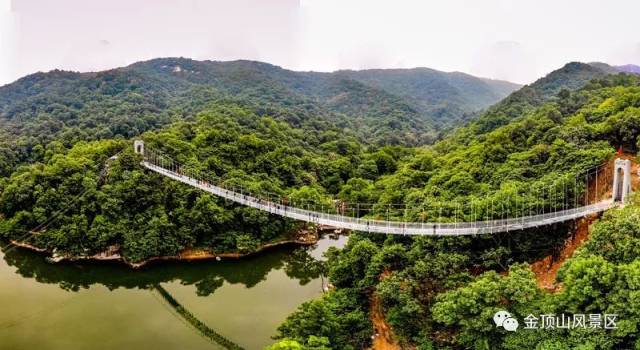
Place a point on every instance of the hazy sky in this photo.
(506, 39)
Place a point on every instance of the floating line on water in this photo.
(194, 322)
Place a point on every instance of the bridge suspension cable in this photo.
(565, 198)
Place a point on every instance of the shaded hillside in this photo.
(442, 292)
(379, 107)
(443, 96)
(629, 68)
(572, 76)
(143, 96)
(396, 106)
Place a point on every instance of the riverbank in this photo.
(112, 254)
(205, 254)
(91, 303)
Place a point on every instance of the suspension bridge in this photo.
(572, 205)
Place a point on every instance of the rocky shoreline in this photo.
(112, 254)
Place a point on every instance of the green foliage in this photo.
(616, 238)
(471, 308)
(349, 268)
(286, 344)
(443, 292)
(313, 343)
(338, 142)
(380, 107)
(146, 215)
(338, 317)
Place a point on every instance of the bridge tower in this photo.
(621, 180)
(138, 147)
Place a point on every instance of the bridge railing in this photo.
(372, 225)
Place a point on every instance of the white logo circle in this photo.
(500, 316)
(503, 319)
(510, 324)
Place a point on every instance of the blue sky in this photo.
(512, 40)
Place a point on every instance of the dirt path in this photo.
(547, 268)
(383, 338)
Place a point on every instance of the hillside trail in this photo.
(383, 338)
(546, 269)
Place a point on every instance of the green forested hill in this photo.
(147, 94)
(441, 293)
(406, 107)
(248, 133)
(315, 137)
(445, 96)
(555, 85)
(429, 92)
(146, 215)
(124, 102)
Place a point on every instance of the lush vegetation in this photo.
(443, 292)
(147, 215)
(602, 278)
(311, 139)
(127, 101)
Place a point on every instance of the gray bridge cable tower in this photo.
(621, 180)
(161, 164)
(138, 146)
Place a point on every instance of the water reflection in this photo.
(206, 276)
(108, 305)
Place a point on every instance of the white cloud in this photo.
(507, 60)
(514, 40)
(7, 37)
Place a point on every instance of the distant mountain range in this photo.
(381, 106)
(572, 76)
(629, 68)
(397, 106)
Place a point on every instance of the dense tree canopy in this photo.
(67, 155)
(443, 292)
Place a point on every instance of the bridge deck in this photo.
(389, 227)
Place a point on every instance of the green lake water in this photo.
(109, 306)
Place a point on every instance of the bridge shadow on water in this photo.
(197, 325)
(205, 276)
(297, 263)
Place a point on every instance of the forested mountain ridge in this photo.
(427, 87)
(553, 86)
(161, 88)
(396, 106)
(443, 292)
(446, 96)
(629, 68)
(268, 135)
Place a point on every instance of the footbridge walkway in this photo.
(621, 187)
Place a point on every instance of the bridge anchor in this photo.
(138, 147)
(621, 180)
